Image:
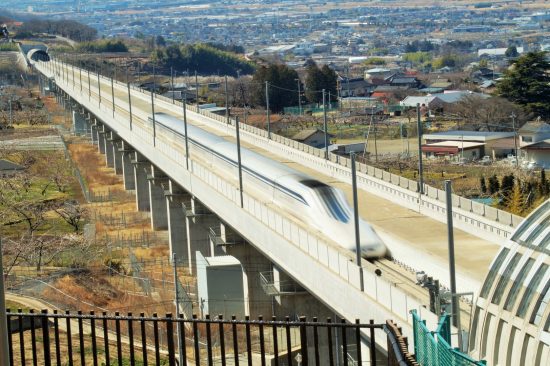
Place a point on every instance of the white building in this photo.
(534, 138)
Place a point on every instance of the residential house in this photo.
(535, 143)
(357, 87)
(404, 81)
(534, 131)
(312, 137)
(478, 143)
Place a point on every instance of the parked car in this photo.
(486, 160)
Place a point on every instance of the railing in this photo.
(276, 288)
(434, 348)
(65, 338)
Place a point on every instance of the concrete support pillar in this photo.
(79, 123)
(198, 222)
(176, 201)
(117, 158)
(95, 134)
(109, 150)
(126, 154)
(254, 264)
(159, 215)
(89, 120)
(141, 169)
(101, 139)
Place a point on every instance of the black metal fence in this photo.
(89, 339)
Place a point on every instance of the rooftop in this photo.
(480, 136)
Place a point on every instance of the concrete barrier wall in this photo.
(283, 239)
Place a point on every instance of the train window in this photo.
(517, 283)
(333, 205)
(504, 279)
(493, 273)
(530, 291)
(540, 307)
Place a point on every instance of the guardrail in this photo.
(68, 338)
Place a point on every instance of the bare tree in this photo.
(72, 213)
(492, 114)
(57, 170)
(18, 204)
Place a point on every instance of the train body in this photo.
(313, 202)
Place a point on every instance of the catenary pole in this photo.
(356, 219)
(113, 95)
(420, 167)
(130, 105)
(325, 124)
(226, 101)
(184, 106)
(455, 304)
(239, 159)
(268, 117)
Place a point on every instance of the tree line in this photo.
(202, 58)
(516, 195)
(66, 28)
(283, 85)
(102, 46)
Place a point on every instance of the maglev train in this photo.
(311, 201)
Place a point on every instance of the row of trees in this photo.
(203, 58)
(516, 195)
(283, 85)
(66, 28)
(102, 46)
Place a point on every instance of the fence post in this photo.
(4, 354)
(46, 337)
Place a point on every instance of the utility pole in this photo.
(325, 124)
(197, 88)
(172, 83)
(226, 101)
(420, 172)
(239, 159)
(89, 86)
(267, 109)
(375, 135)
(178, 327)
(4, 345)
(455, 304)
(356, 220)
(513, 116)
(299, 97)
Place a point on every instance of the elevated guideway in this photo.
(405, 220)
